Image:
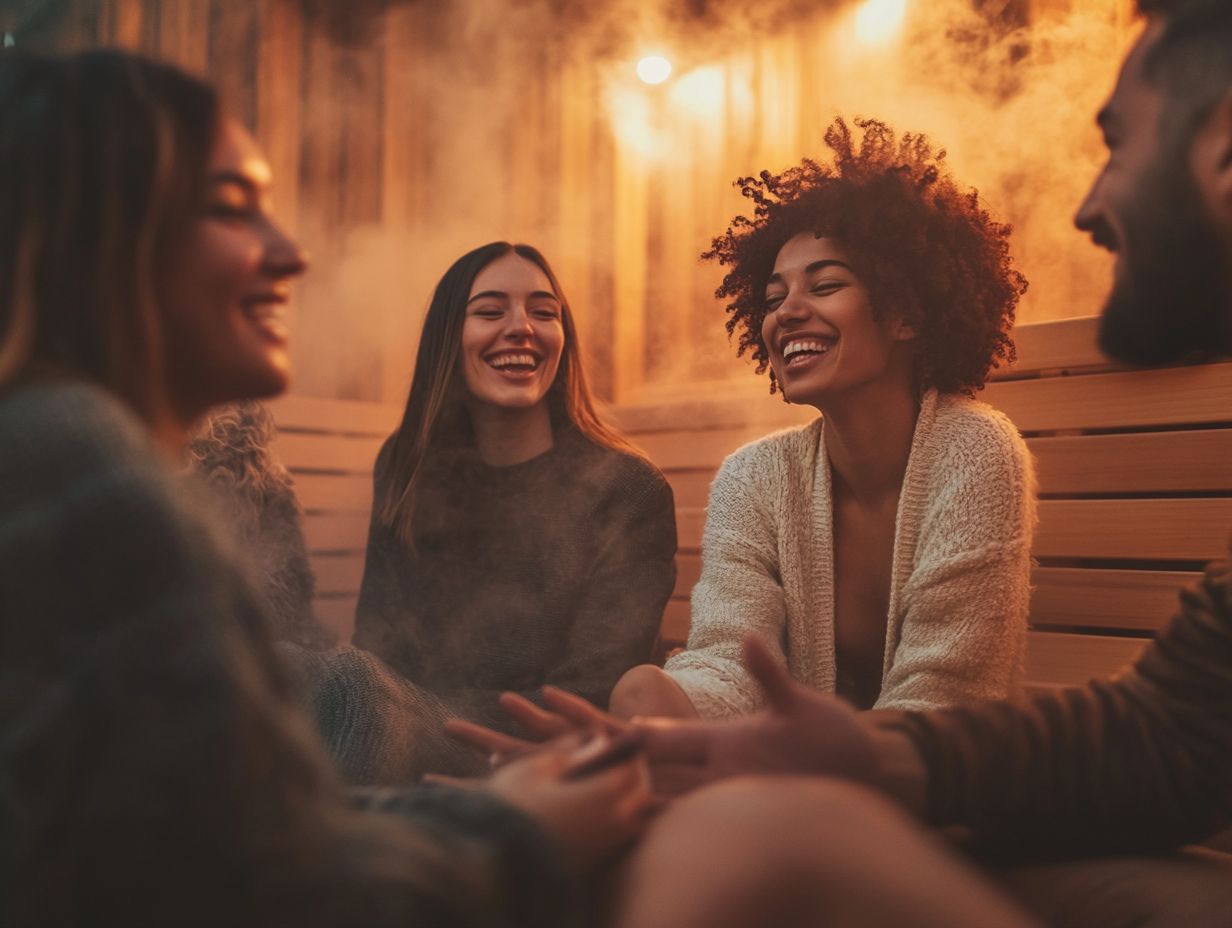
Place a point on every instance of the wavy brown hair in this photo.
(435, 417)
(927, 250)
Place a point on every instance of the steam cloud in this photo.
(1012, 102)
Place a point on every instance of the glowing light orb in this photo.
(878, 21)
(654, 69)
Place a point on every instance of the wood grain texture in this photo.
(1139, 600)
(1151, 462)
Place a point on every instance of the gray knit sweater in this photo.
(154, 766)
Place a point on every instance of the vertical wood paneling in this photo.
(182, 33)
(430, 127)
(278, 101)
(233, 53)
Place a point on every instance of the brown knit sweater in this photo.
(1141, 763)
(555, 570)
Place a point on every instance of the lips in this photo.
(268, 313)
(519, 364)
(801, 350)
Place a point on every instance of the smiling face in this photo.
(225, 295)
(512, 337)
(1171, 281)
(820, 332)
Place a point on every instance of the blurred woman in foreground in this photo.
(154, 766)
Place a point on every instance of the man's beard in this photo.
(1175, 300)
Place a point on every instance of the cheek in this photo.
(768, 330)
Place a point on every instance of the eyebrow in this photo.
(502, 295)
(812, 269)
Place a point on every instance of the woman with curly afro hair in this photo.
(884, 549)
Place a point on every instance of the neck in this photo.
(868, 441)
(508, 436)
(171, 437)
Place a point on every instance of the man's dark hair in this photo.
(1191, 62)
(927, 250)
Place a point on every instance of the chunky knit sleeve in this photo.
(963, 610)
(1138, 764)
(739, 591)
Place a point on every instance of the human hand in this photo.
(564, 714)
(591, 815)
(800, 732)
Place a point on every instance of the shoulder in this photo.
(624, 473)
(969, 433)
(775, 456)
(54, 433)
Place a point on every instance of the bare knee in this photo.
(647, 690)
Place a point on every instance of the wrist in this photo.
(898, 769)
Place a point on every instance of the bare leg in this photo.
(801, 852)
(646, 690)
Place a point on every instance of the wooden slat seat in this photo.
(1135, 478)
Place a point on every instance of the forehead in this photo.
(1135, 102)
(237, 152)
(804, 249)
(511, 273)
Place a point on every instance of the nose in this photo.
(793, 309)
(518, 327)
(1087, 219)
(283, 255)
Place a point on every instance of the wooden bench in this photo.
(1135, 473)
(330, 447)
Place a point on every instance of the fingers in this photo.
(540, 723)
(674, 740)
(458, 782)
(580, 712)
(486, 739)
(771, 675)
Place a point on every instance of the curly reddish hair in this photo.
(928, 252)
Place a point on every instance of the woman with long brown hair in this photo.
(155, 767)
(516, 539)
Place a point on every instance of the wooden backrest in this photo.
(1135, 472)
(1135, 475)
(330, 447)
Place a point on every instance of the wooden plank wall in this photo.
(403, 132)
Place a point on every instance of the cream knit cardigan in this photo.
(960, 583)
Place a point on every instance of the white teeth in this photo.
(267, 312)
(804, 344)
(512, 360)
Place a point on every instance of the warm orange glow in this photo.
(701, 92)
(633, 120)
(654, 69)
(878, 21)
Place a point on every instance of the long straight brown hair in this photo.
(435, 412)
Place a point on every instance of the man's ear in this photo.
(902, 330)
